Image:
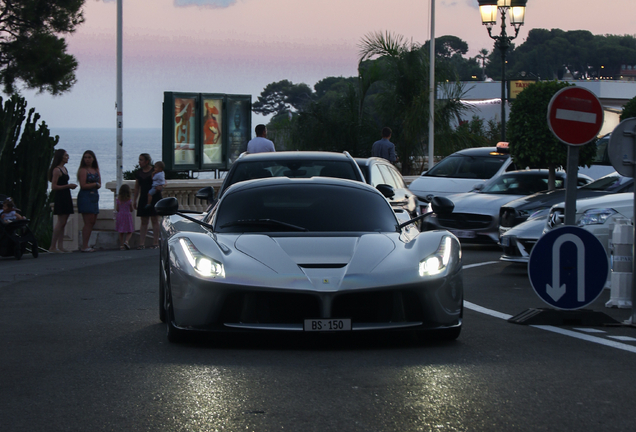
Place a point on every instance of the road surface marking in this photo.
(553, 329)
(469, 266)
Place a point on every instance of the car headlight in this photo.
(438, 261)
(202, 264)
(596, 216)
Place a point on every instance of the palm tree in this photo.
(483, 55)
(403, 92)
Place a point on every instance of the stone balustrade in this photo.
(104, 234)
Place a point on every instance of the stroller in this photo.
(16, 237)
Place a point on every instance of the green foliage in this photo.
(31, 50)
(532, 143)
(280, 97)
(24, 166)
(550, 54)
(629, 110)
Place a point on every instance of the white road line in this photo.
(553, 329)
(469, 266)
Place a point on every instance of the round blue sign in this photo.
(568, 268)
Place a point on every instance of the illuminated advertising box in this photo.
(204, 131)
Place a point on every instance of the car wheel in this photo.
(174, 334)
(17, 251)
(162, 293)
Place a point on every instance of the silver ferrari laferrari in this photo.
(306, 255)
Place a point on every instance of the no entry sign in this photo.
(575, 115)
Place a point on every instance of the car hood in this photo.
(442, 186)
(480, 203)
(323, 260)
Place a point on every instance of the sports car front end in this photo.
(358, 273)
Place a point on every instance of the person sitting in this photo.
(9, 213)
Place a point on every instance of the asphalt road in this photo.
(83, 350)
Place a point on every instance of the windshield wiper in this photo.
(263, 222)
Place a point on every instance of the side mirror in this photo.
(440, 205)
(167, 206)
(478, 187)
(207, 194)
(386, 190)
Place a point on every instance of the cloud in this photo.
(205, 3)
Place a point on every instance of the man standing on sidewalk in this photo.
(384, 148)
(260, 143)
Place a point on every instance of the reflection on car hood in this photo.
(481, 203)
(314, 255)
(530, 229)
(442, 186)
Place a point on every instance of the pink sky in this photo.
(241, 48)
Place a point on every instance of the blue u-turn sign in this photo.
(568, 268)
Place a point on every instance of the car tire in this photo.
(17, 251)
(174, 334)
(162, 293)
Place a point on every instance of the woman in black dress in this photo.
(63, 203)
(143, 184)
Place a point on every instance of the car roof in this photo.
(480, 151)
(282, 181)
(284, 155)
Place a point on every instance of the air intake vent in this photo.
(321, 266)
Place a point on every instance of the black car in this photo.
(517, 211)
(380, 173)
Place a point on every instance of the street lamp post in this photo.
(489, 10)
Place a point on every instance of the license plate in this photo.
(327, 325)
(464, 234)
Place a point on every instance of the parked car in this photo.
(517, 211)
(293, 164)
(380, 173)
(595, 214)
(517, 242)
(475, 218)
(462, 171)
(305, 254)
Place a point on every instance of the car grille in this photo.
(518, 247)
(464, 221)
(507, 217)
(556, 218)
(287, 308)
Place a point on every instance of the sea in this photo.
(103, 141)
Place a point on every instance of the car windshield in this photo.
(519, 184)
(304, 207)
(462, 166)
(610, 183)
(249, 170)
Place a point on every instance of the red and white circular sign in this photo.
(575, 115)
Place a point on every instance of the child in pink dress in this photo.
(124, 220)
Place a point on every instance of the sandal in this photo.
(88, 250)
(142, 247)
(127, 246)
(122, 248)
(154, 247)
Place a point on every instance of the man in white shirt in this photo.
(260, 143)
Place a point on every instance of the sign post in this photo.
(575, 117)
(622, 151)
